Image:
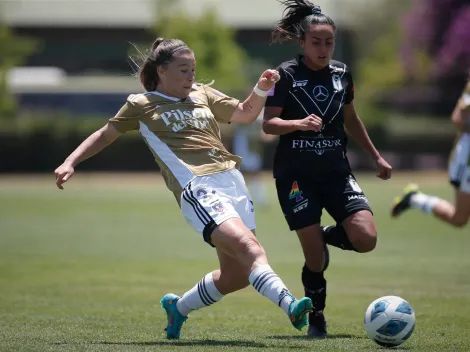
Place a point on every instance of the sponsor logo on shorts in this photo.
(301, 206)
(358, 196)
(295, 192)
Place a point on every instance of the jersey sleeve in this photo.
(127, 118)
(221, 105)
(277, 96)
(350, 88)
(464, 101)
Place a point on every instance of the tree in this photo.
(440, 29)
(14, 50)
(218, 56)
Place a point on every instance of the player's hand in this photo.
(310, 123)
(384, 170)
(63, 174)
(268, 79)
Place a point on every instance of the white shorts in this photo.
(459, 166)
(208, 201)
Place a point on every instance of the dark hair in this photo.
(298, 16)
(161, 53)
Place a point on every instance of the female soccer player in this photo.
(178, 120)
(309, 108)
(459, 175)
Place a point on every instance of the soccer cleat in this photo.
(317, 325)
(175, 319)
(298, 310)
(402, 203)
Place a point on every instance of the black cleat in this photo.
(317, 325)
(402, 203)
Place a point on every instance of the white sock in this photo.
(266, 282)
(203, 294)
(424, 202)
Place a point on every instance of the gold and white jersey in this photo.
(182, 134)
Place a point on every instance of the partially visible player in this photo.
(459, 175)
(248, 142)
(178, 120)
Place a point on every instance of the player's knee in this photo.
(250, 247)
(365, 239)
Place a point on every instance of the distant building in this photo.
(85, 38)
(87, 35)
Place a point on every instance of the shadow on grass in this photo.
(305, 337)
(214, 343)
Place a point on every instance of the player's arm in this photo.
(95, 143)
(461, 114)
(89, 147)
(249, 110)
(358, 131)
(273, 124)
(125, 120)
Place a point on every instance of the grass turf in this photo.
(84, 269)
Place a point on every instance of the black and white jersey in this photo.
(301, 92)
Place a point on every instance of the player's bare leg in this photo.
(456, 215)
(243, 261)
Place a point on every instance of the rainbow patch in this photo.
(295, 192)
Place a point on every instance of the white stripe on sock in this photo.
(266, 282)
(203, 294)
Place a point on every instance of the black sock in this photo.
(315, 287)
(336, 236)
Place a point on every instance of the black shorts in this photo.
(302, 200)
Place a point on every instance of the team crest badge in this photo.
(337, 85)
(218, 207)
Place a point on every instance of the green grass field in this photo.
(84, 270)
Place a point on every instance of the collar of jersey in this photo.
(301, 63)
(167, 96)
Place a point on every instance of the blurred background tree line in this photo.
(14, 52)
(408, 59)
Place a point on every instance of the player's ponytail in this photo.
(297, 17)
(156, 43)
(160, 53)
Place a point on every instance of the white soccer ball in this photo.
(389, 321)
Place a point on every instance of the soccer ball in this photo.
(389, 321)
